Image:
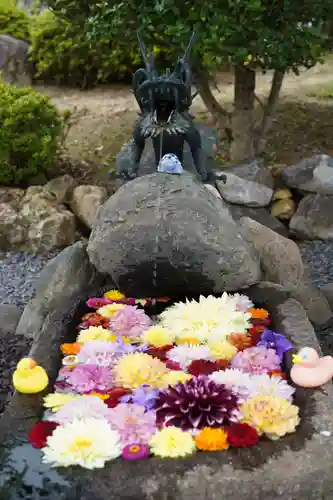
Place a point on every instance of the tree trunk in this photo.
(269, 112)
(220, 116)
(242, 146)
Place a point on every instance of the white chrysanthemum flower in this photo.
(235, 380)
(274, 386)
(88, 443)
(210, 319)
(186, 353)
(243, 303)
(81, 408)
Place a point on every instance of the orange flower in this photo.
(258, 313)
(188, 340)
(278, 373)
(70, 349)
(212, 439)
(240, 340)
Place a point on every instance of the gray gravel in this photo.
(18, 272)
(319, 255)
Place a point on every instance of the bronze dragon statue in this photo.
(164, 102)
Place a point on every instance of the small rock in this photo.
(327, 290)
(62, 187)
(282, 194)
(244, 192)
(259, 214)
(13, 196)
(283, 209)
(313, 218)
(313, 175)
(12, 229)
(280, 257)
(86, 201)
(9, 318)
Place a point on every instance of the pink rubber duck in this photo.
(309, 370)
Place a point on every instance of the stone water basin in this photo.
(298, 466)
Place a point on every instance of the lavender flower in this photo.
(129, 321)
(275, 341)
(144, 396)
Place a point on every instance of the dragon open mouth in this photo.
(164, 111)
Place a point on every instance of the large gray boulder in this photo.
(167, 235)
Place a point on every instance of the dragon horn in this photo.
(148, 60)
(188, 48)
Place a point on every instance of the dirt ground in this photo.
(105, 116)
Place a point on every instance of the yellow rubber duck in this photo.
(29, 378)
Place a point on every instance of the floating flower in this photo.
(243, 303)
(130, 321)
(212, 439)
(172, 443)
(144, 396)
(202, 367)
(135, 451)
(109, 310)
(89, 378)
(210, 319)
(196, 404)
(158, 336)
(269, 415)
(114, 295)
(278, 373)
(187, 340)
(275, 341)
(222, 350)
(40, 432)
(175, 376)
(100, 352)
(56, 400)
(97, 302)
(134, 424)
(70, 349)
(159, 352)
(271, 386)
(235, 380)
(95, 333)
(258, 313)
(171, 365)
(185, 354)
(88, 443)
(242, 435)
(115, 395)
(82, 407)
(240, 340)
(256, 333)
(134, 370)
(257, 359)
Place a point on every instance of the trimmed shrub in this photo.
(30, 129)
(13, 21)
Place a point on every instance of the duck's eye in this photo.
(305, 356)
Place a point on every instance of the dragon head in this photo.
(163, 95)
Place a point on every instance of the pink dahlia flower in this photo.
(130, 321)
(134, 424)
(256, 359)
(81, 407)
(90, 378)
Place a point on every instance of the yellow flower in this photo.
(175, 376)
(103, 397)
(138, 369)
(270, 415)
(96, 333)
(114, 295)
(158, 336)
(212, 439)
(172, 442)
(222, 350)
(110, 310)
(55, 400)
(188, 340)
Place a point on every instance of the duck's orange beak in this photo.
(296, 359)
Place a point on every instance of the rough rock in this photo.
(65, 280)
(50, 225)
(313, 218)
(62, 187)
(147, 164)
(259, 214)
(313, 175)
(86, 201)
(327, 291)
(248, 184)
(282, 194)
(9, 318)
(296, 467)
(283, 209)
(13, 232)
(165, 234)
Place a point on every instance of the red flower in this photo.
(242, 435)
(278, 373)
(172, 365)
(255, 333)
(40, 432)
(159, 352)
(114, 396)
(203, 367)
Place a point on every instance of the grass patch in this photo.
(322, 93)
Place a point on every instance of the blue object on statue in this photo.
(170, 164)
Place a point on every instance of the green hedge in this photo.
(13, 21)
(30, 129)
